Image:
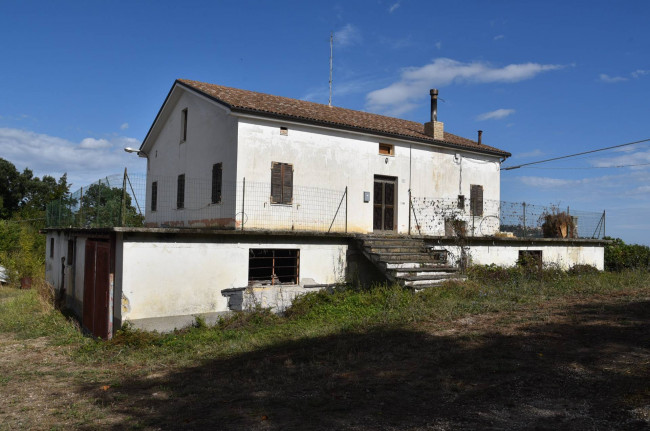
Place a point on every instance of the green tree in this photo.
(102, 206)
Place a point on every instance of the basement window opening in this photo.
(530, 258)
(269, 266)
(386, 149)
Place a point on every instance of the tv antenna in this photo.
(331, 56)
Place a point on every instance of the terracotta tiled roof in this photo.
(310, 112)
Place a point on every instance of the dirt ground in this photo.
(578, 364)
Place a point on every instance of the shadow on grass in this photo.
(587, 368)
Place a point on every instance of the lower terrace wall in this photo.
(168, 279)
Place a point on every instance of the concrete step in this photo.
(405, 257)
(395, 249)
(393, 243)
(411, 265)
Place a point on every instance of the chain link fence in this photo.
(451, 217)
(122, 200)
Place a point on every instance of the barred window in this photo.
(281, 183)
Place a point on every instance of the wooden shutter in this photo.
(281, 183)
(287, 183)
(276, 183)
(154, 195)
(216, 183)
(476, 200)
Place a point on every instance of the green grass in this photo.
(488, 289)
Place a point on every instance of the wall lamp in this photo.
(140, 153)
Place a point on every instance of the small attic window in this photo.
(284, 131)
(386, 149)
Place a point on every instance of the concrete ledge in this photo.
(169, 323)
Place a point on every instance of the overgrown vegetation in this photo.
(620, 256)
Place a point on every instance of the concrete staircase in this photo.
(408, 261)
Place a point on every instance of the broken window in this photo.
(180, 192)
(217, 170)
(530, 258)
(386, 149)
(476, 200)
(273, 266)
(184, 125)
(281, 183)
(154, 195)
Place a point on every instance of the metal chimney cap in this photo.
(433, 92)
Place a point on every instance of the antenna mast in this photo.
(331, 55)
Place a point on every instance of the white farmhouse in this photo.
(254, 198)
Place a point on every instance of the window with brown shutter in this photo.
(476, 200)
(217, 170)
(281, 183)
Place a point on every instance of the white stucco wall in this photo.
(185, 277)
(332, 160)
(564, 256)
(211, 139)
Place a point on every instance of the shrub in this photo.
(620, 256)
(558, 224)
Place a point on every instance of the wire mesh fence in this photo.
(123, 200)
(452, 217)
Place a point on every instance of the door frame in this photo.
(384, 179)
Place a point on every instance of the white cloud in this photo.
(639, 73)
(124, 126)
(611, 79)
(393, 7)
(84, 162)
(546, 182)
(415, 81)
(495, 115)
(439, 45)
(94, 144)
(348, 35)
(498, 37)
(629, 158)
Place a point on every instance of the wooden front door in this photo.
(96, 288)
(385, 198)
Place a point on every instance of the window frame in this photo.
(476, 200)
(217, 183)
(282, 261)
(389, 147)
(154, 196)
(180, 192)
(281, 183)
(184, 125)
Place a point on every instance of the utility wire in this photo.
(600, 167)
(574, 155)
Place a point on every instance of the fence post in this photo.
(346, 209)
(243, 202)
(604, 218)
(81, 204)
(123, 206)
(524, 205)
(409, 212)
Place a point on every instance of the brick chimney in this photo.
(434, 128)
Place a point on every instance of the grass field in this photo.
(504, 350)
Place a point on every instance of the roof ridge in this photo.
(333, 116)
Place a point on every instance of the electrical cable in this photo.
(600, 167)
(574, 155)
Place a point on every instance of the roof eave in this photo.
(435, 142)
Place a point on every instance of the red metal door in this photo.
(96, 288)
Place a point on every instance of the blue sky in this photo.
(81, 80)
